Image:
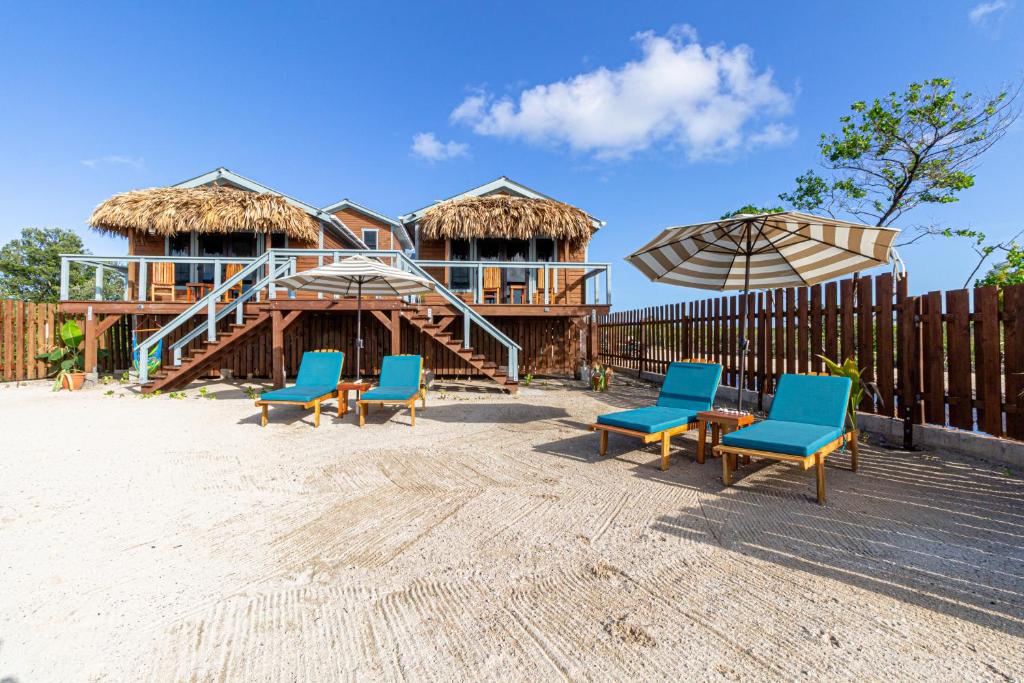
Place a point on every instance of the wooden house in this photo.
(515, 293)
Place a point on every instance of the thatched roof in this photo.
(209, 209)
(500, 215)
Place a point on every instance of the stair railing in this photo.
(403, 262)
(236, 306)
(208, 302)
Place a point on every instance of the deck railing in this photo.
(592, 294)
(261, 273)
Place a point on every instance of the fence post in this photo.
(98, 286)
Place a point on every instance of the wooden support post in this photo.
(396, 332)
(91, 343)
(277, 348)
(603, 448)
(666, 443)
(593, 345)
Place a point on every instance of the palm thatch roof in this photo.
(501, 215)
(210, 209)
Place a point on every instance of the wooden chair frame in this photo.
(816, 460)
(363, 406)
(665, 436)
(314, 404)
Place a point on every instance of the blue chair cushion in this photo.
(401, 371)
(386, 393)
(649, 420)
(811, 399)
(320, 368)
(304, 394)
(779, 436)
(691, 386)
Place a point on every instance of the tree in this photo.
(30, 268)
(1008, 272)
(754, 210)
(907, 150)
(903, 151)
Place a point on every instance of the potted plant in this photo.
(600, 376)
(65, 359)
(858, 386)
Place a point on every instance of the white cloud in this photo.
(427, 146)
(981, 13)
(115, 160)
(704, 100)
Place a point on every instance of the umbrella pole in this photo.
(744, 342)
(359, 326)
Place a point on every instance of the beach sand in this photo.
(163, 539)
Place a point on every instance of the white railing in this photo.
(260, 273)
(474, 270)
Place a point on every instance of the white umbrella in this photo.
(358, 276)
(762, 251)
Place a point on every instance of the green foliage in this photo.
(66, 357)
(753, 210)
(252, 392)
(902, 151)
(176, 395)
(30, 268)
(1008, 272)
(859, 387)
(600, 376)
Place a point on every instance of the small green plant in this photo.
(251, 391)
(858, 386)
(600, 376)
(65, 359)
(527, 379)
(144, 396)
(125, 377)
(108, 392)
(176, 395)
(107, 380)
(204, 393)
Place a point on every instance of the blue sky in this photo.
(324, 101)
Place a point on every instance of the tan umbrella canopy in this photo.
(762, 251)
(168, 211)
(500, 215)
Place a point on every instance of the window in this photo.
(459, 278)
(180, 244)
(370, 238)
(545, 249)
(278, 240)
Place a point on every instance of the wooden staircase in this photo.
(487, 368)
(195, 363)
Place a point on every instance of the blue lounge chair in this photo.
(807, 421)
(400, 383)
(688, 389)
(319, 375)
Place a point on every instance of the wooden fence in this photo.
(951, 358)
(28, 329)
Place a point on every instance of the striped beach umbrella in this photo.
(358, 276)
(762, 251)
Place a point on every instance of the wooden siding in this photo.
(551, 345)
(357, 222)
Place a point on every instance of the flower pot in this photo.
(73, 381)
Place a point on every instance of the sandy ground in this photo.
(165, 540)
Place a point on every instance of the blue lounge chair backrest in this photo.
(401, 371)
(811, 399)
(690, 385)
(320, 368)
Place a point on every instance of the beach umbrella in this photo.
(358, 276)
(762, 251)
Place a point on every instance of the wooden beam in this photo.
(91, 346)
(107, 323)
(396, 333)
(335, 304)
(444, 322)
(277, 348)
(289, 319)
(384, 320)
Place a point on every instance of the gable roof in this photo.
(223, 176)
(504, 184)
(399, 231)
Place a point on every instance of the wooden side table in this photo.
(197, 290)
(721, 424)
(344, 388)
